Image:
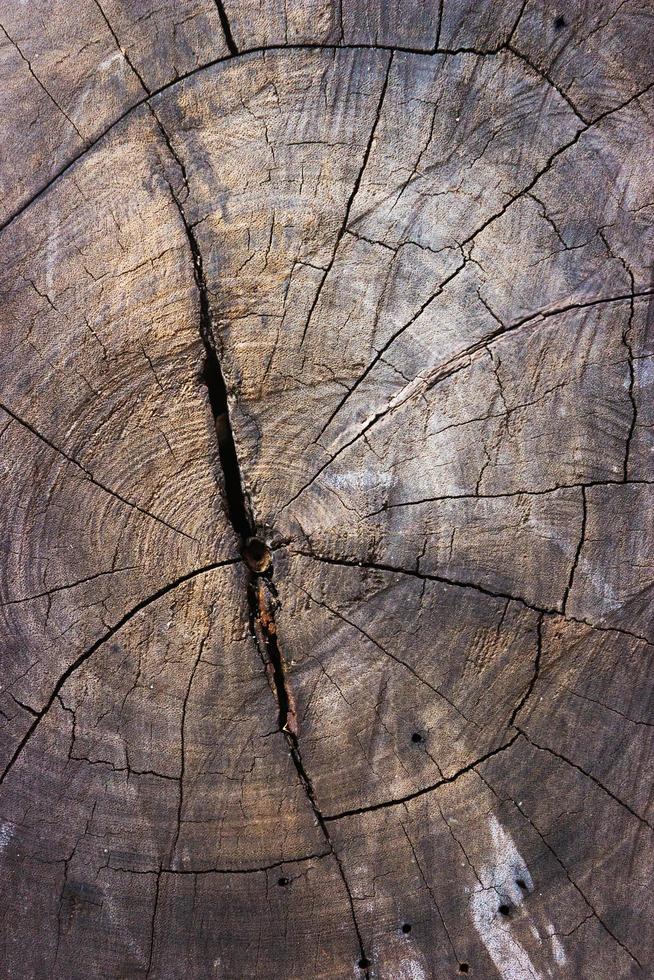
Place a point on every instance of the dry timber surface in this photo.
(327, 478)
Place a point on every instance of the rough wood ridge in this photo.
(327, 474)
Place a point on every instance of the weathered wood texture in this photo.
(367, 282)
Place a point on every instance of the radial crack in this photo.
(83, 657)
(227, 31)
(262, 596)
(350, 202)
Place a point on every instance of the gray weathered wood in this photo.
(327, 461)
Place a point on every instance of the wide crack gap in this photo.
(262, 596)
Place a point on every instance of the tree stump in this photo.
(327, 478)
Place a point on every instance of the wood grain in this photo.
(327, 460)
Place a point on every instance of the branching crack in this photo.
(425, 789)
(262, 596)
(83, 657)
(350, 202)
(474, 586)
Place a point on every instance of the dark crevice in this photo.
(198, 872)
(263, 603)
(262, 597)
(238, 507)
(227, 31)
(627, 342)
(261, 592)
(517, 22)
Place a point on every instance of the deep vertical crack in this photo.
(227, 31)
(262, 596)
(627, 343)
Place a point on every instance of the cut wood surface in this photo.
(327, 479)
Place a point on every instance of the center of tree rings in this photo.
(257, 555)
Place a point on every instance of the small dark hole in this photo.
(463, 968)
(257, 554)
(416, 737)
(282, 882)
(406, 928)
(560, 23)
(521, 883)
(364, 963)
(504, 910)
